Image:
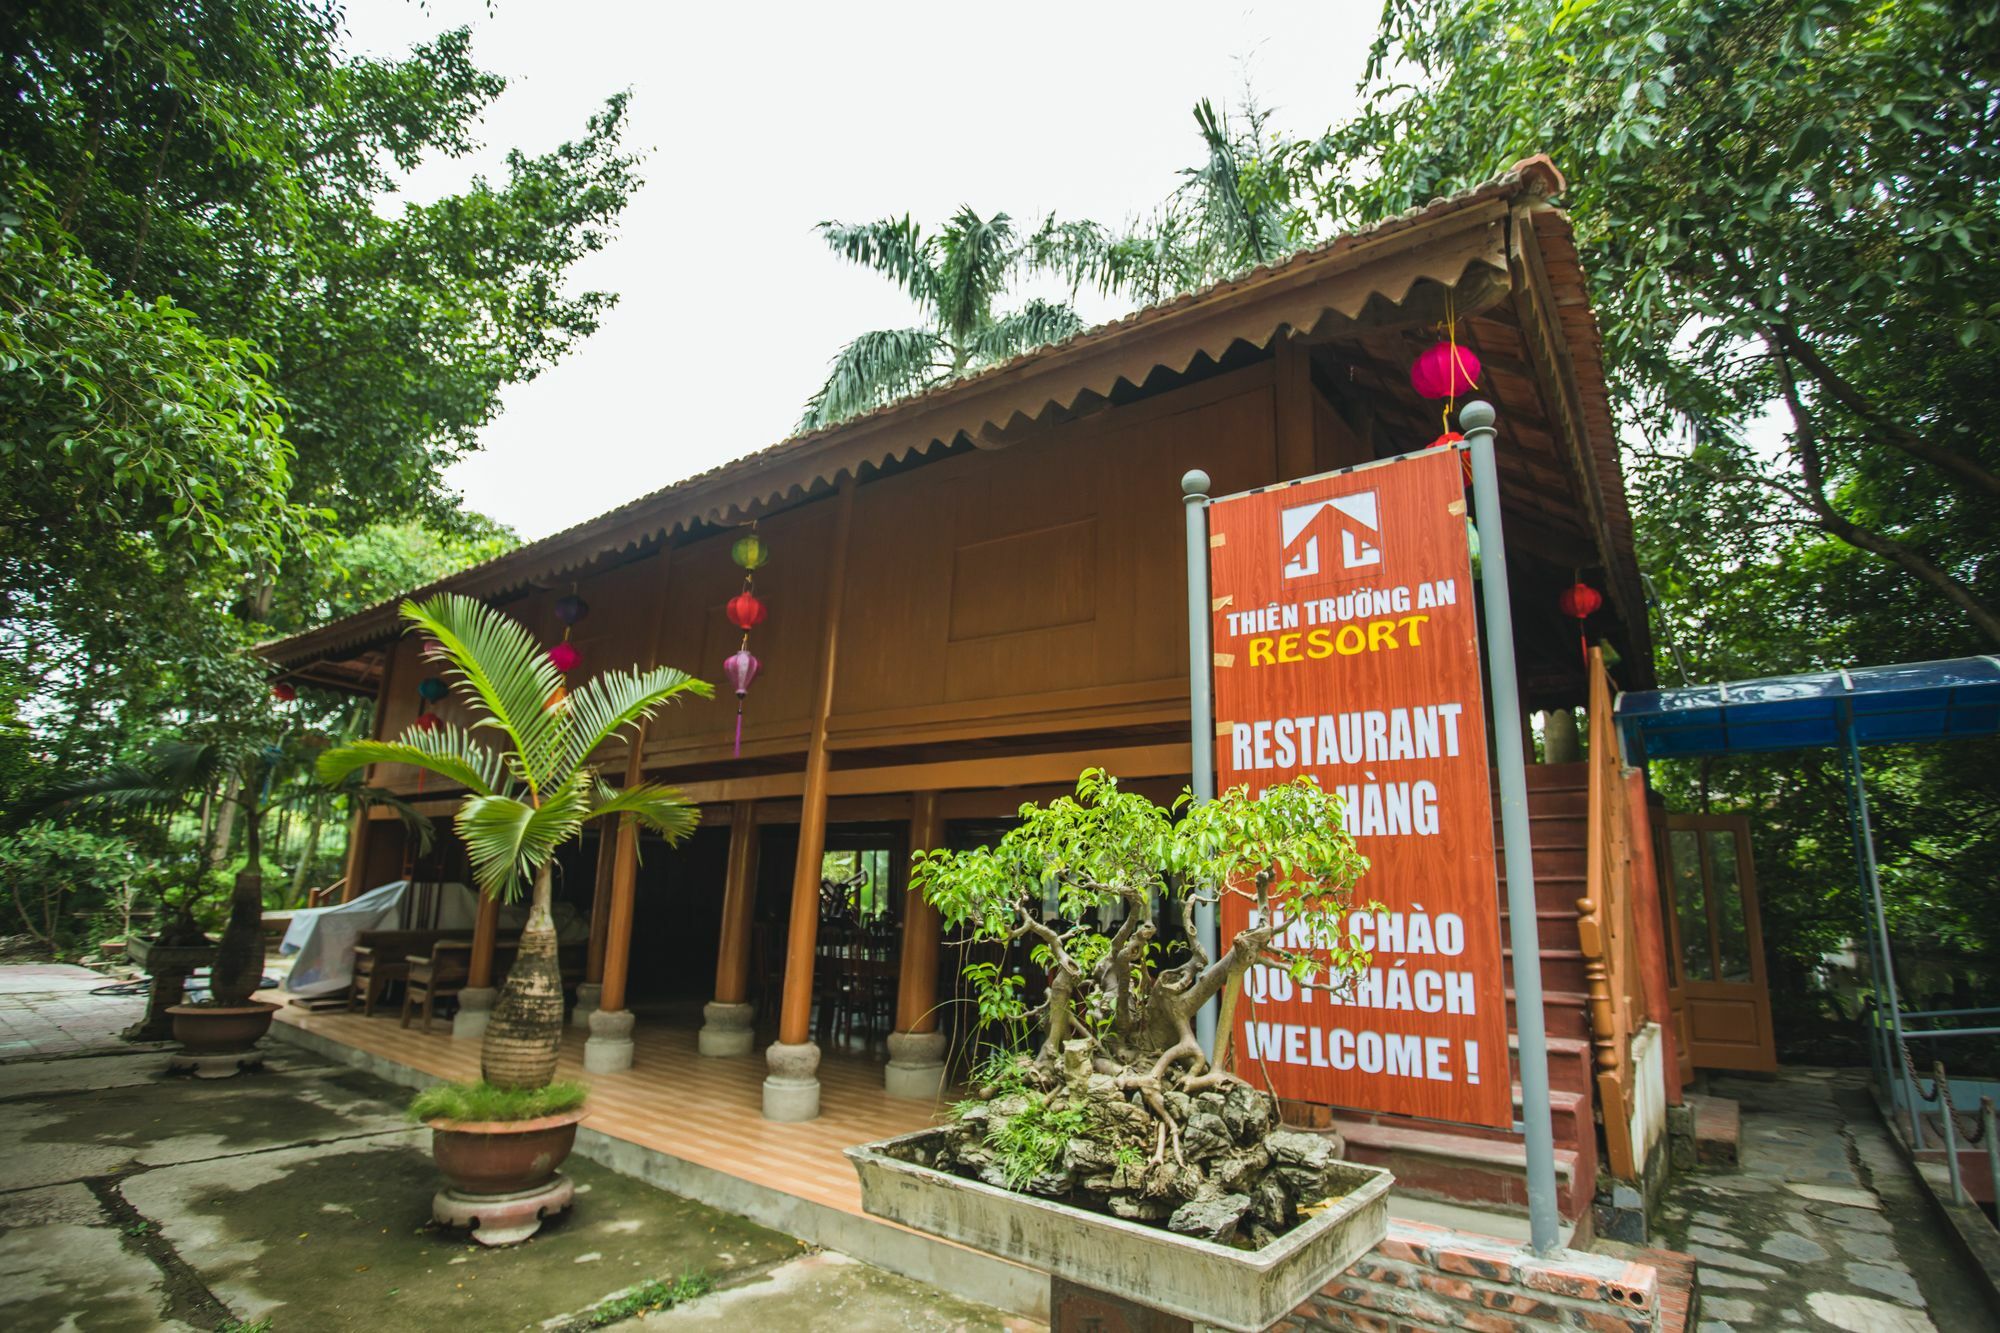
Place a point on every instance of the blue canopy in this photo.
(1888, 705)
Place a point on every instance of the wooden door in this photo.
(1722, 997)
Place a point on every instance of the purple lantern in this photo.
(740, 668)
(571, 608)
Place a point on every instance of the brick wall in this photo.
(1425, 1277)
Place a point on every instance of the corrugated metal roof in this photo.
(1462, 230)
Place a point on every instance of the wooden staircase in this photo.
(1471, 1164)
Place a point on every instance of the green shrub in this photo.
(483, 1101)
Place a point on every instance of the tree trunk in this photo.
(306, 857)
(519, 1050)
(239, 957)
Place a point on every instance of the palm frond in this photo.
(978, 252)
(875, 369)
(449, 751)
(618, 699)
(171, 772)
(893, 247)
(415, 823)
(508, 673)
(508, 839)
(1036, 324)
(664, 810)
(1082, 254)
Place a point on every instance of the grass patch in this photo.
(483, 1101)
(648, 1297)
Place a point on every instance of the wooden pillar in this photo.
(1292, 405)
(792, 1090)
(357, 853)
(475, 1002)
(591, 987)
(610, 1046)
(916, 982)
(357, 837)
(916, 1047)
(727, 1023)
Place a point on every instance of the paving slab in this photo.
(830, 1293)
(132, 1200)
(338, 1236)
(1820, 1226)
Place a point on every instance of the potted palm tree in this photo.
(530, 787)
(1101, 1143)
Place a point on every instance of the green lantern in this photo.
(750, 551)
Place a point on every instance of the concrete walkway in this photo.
(298, 1199)
(48, 1010)
(1823, 1226)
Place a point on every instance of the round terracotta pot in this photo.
(502, 1156)
(221, 1029)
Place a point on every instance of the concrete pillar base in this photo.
(609, 1049)
(725, 1029)
(792, 1090)
(586, 1003)
(475, 1010)
(916, 1066)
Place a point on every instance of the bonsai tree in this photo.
(175, 779)
(524, 765)
(1101, 1092)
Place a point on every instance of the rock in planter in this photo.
(1212, 1218)
(503, 1174)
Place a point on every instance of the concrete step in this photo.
(1565, 1014)
(1452, 1165)
(1571, 1065)
(1718, 1130)
(1562, 969)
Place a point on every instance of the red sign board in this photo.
(1346, 646)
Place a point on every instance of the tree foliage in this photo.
(233, 365)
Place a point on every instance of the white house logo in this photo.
(1354, 517)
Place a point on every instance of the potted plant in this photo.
(1100, 1144)
(181, 780)
(524, 765)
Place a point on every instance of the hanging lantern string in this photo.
(1451, 341)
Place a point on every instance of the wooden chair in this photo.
(382, 960)
(443, 972)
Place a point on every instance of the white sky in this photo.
(759, 121)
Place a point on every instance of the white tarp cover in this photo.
(324, 937)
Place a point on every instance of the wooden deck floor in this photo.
(674, 1100)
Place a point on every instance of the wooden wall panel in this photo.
(1056, 565)
(696, 636)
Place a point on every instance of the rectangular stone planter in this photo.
(1199, 1280)
(169, 957)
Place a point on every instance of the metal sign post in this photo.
(1544, 1223)
(1201, 705)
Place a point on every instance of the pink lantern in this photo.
(564, 656)
(1434, 374)
(739, 669)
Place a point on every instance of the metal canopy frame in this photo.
(1906, 703)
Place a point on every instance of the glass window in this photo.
(1732, 940)
(1690, 907)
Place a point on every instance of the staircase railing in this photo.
(1604, 926)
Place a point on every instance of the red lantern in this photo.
(427, 721)
(284, 692)
(1580, 601)
(745, 611)
(1445, 370)
(564, 656)
(1577, 602)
